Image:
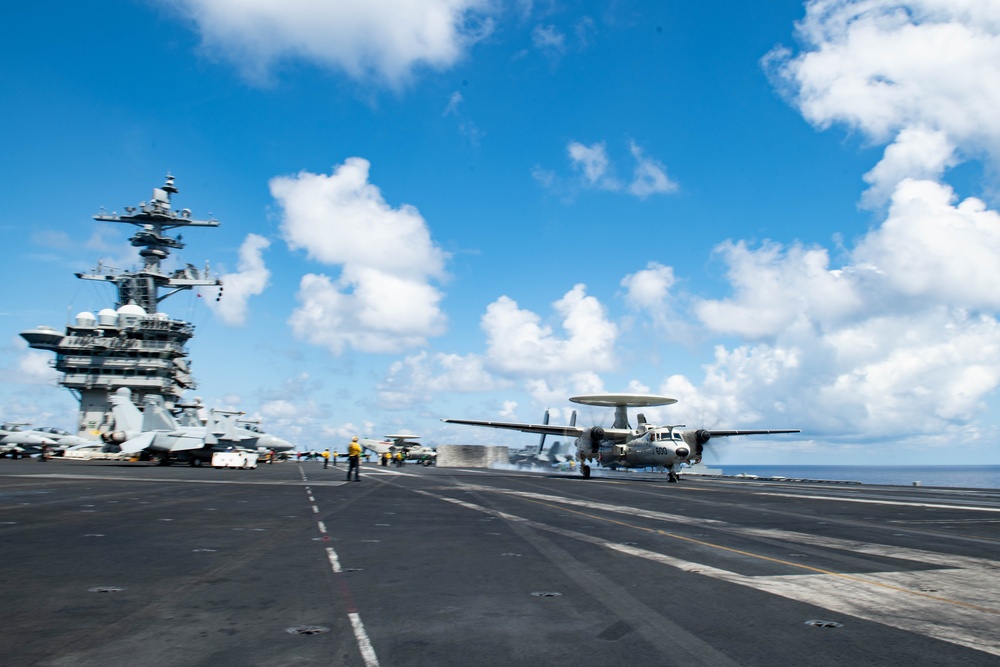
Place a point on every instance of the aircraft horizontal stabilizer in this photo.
(138, 443)
(186, 442)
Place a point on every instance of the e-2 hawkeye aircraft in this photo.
(621, 446)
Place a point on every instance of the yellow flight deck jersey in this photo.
(354, 449)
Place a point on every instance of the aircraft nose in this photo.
(682, 452)
(273, 442)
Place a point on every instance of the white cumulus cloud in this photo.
(593, 163)
(34, 367)
(383, 299)
(898, 339)
(249, 280)
(520, 343)
(649, 288)
(596, 171)
(649, 176)
(380, 40)
(922, 76)
(419, 378)
(520, 349)
(931, 249)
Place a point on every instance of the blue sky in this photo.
(782, 214)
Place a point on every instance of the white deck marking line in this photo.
(377, 471)
(365, 644)
(872, 501)
(948, 620)
(334, 561)
(360, 635)
(919, 555)
(172, 480)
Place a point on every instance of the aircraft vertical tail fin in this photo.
(558, 452)
(155, 416)
(128, 418)
(221, 426)
(541, 441)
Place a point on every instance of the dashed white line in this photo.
(360, 635)
(367, 652)
(334, 561)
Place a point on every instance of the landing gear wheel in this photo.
(672, 477)
(585, 469)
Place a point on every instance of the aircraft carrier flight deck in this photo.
(112, 563)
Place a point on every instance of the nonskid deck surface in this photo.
(110, 563)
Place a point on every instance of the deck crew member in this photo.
(353, 459)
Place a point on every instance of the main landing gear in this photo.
(585, 469)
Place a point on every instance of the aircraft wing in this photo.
(722, 434)
(547, 429)
(184, 441)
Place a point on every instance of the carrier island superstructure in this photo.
(132, 345)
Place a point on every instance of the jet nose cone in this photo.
(273, 442)
(682, 452)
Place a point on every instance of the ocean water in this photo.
(975, 477)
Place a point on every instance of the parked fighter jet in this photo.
(154, 429)
(412, 451)
(230, 427)
(621, 446)
(63, 438)
(16, 441)
(557, 453)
